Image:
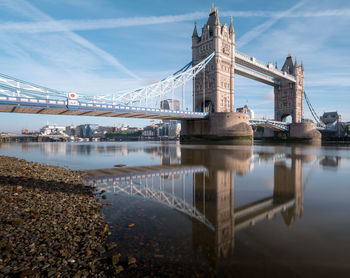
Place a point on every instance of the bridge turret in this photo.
(195, 33)
(288, 65)
(232, 30)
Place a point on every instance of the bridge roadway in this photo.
(76, 108)
(15, 104)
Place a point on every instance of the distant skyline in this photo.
(100, 47)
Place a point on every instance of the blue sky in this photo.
(99, 47)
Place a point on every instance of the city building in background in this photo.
(170, 104)
(53, 130)
(245, 109)
(330, 117)
(164, 130)
(170, 128)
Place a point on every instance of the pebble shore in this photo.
(51, 224)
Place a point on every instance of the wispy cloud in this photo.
(27, 9)
(95, 24)
(300, 14)
(48, 26)
(258, 30)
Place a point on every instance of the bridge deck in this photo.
(76, 108)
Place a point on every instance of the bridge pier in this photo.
(297, 131)
(220, 126)
(306, 131)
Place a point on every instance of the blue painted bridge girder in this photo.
(14, 104)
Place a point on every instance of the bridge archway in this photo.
(208, 106)
(287, 118)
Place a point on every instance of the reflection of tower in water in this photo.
(288, 184)
(214, 197)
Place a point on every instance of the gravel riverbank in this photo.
(50, 224)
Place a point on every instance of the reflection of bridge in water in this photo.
(152, 183)
(202, 187)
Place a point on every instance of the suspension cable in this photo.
(313, 112)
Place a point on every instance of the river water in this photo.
(217, 210)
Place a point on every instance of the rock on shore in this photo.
(50, 222)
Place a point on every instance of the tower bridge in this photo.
(213, 89)
(215, 61)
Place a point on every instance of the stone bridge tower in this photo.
(213, 89)
(289, 96)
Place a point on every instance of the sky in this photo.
(106, 46)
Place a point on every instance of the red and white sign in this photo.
(73, 96)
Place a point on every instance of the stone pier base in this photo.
(221, 126)
(306, 131)
(297, 132)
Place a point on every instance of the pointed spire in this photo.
(232, 30)
(295, 62)
(212, 9)
(213, 19)
(302, 65)
(217, 20)
(195, 33)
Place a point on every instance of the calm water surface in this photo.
(225, 211)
